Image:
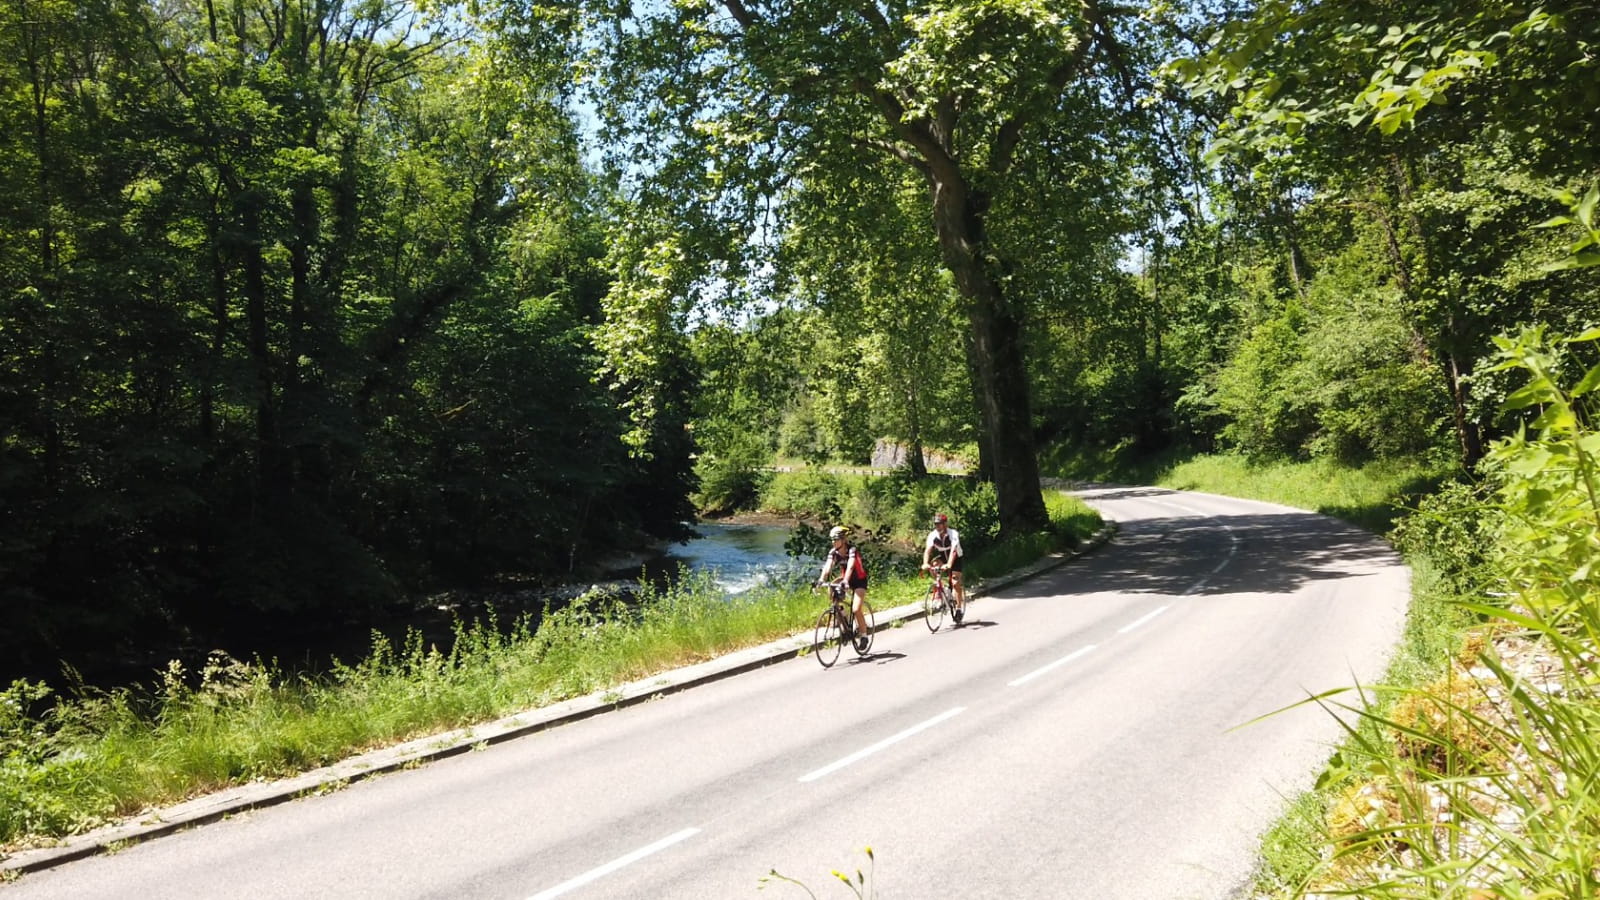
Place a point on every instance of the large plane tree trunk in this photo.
(996, 347)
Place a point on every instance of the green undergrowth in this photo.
(72, 762)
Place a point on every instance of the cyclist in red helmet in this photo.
(943, 550)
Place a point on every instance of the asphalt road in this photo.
(1084, 736)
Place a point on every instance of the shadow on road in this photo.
(969, 624)
(1270, 552)
(878, 658)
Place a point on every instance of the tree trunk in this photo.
(996, 357)
(914, 459)
(1469, 435)
(272, 474)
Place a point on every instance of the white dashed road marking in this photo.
(1145, 618)
(894, 739)
(1060, 662)
(618, 863)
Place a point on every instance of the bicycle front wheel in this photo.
(933, 608)
(827, 641)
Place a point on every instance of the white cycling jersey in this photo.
(948, 544)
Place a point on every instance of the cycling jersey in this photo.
(852, 565)
(946, 546)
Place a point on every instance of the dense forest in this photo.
(298, 313)
(307, 306)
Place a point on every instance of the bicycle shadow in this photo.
(878, 658)
(968, 623)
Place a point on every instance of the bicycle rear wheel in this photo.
(933, 606)
(827, 641)
(872, 628)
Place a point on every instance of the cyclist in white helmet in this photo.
(853, 569)
(943, 550)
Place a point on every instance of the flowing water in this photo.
(742, 556)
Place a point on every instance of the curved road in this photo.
(1078, 739)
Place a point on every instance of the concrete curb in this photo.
(233, 801)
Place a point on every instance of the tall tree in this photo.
(718, 110)
(1433, 119)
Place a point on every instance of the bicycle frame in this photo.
(837, 626)
(938, 599)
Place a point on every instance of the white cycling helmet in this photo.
(837, 532)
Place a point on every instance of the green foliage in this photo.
(1547, 487)
(803, 436)
(1266, 404)
(1583, 252)
(1442, 131)
(1451, 529)
(733, 480)
(809, 493)
(1337, 376)
(300, 320)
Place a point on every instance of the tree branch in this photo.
(940, 163)
(743, 16)
(896, 151)
(1106, 38)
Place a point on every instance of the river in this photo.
(742, 556)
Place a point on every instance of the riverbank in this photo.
(95, 759)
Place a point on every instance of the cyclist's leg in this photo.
(855, 607)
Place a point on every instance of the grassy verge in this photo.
(96, 757)
(68, 764)
(1371, 496)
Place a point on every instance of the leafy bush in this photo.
(1450, 528)
(732, 480)
(1262, 394)
(807, 494)
(1338, 378)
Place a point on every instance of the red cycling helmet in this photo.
(941, 519)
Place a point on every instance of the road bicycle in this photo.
(940, 599)
(837, 627)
